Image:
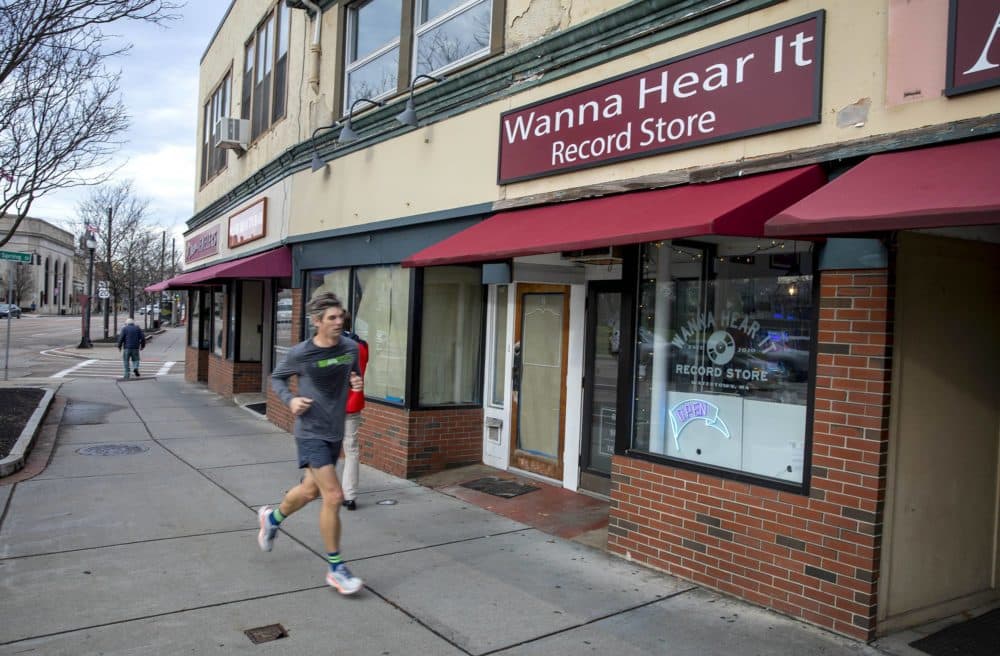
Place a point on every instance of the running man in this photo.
(327, 368)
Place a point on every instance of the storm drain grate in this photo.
(266, 633)
(112, 450)
(499, 487)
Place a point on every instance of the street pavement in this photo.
(139, 537)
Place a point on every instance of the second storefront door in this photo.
(538, 409)
(600, 394)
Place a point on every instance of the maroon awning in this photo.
(736, 207)
(942, 186)
(276, 263)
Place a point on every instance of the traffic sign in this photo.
(104, 293)
(16, 257)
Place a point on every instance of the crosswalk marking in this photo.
(108, 369)
(75, 367)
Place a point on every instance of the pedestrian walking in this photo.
(131, 340)
(355, 403)
(327, 368)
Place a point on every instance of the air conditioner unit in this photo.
(232, 133)
(607, 255)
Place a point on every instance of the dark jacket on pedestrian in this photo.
(132, 337)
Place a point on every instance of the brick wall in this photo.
(227, 378)
(195, 365)
(813, 557)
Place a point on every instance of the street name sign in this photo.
(16, 257)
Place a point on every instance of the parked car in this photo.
(9, 309)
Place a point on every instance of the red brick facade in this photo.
(407, 443)
(195, 365)
(227, 378)
(813, 557)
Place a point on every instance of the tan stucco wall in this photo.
(453, 163)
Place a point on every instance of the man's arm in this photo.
(142, 339)
(279, 378)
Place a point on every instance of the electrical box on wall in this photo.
(232, 133)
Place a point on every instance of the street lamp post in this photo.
(90, 244)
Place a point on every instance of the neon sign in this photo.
(690, 410)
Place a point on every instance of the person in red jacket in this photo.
(355, 402)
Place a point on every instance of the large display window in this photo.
(451, 342)
(724, 355)
(378, 298)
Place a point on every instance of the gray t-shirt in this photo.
(325, 377)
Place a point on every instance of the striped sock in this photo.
(276, 516)
(334, 559)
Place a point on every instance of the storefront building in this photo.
(723, 263)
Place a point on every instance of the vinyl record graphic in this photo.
(721, 347)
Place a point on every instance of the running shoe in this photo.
(341, 578)
(268, 531)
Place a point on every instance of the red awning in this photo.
(272, 264)
(954, 185)
(737, 207)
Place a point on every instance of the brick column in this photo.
(813, 557)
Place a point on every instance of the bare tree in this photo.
(60, 110)
(117, 235)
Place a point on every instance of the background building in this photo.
(48, 283)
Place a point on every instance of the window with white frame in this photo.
(432, 35)
(265, 72)
(213, 160)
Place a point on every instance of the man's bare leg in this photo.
(325, 479)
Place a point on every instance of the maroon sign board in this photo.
(761, 82)
(973, 46)
(202, 245)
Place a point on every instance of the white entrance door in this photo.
(496, 384)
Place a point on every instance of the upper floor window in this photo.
(265, 72)
(213, 159)
(433, 35)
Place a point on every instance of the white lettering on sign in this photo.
(539, 125)
(682, 87)
(983, 63)
(203, 245)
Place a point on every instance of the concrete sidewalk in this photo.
(139, 537)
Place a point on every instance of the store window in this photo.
(283, 338)
(194, 320)
(441, 34)
(451, 336)
(724, 352)
(499, 365)
(265, 72)
(218, 325)
(379, 300)
(213, 160)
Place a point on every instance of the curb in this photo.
(15, 460)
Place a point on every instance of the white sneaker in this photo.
(267, 533)
(342, 579)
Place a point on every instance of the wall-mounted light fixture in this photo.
(348, 133)
(317, 161)
(409, 115)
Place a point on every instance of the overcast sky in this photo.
(159, 86)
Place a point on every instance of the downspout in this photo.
(314, 49)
